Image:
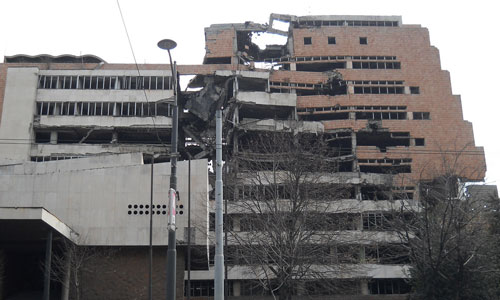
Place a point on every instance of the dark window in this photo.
(200, 288)
(419, 142)
(331, 40)
(363, 40)
(388, 286)
(421, 115)
(307, 41)
(375, 221)
(414, 90)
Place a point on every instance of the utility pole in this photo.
(219, 229)
(172, 192)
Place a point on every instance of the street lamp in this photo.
(168, 45)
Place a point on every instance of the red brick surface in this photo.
(123, 275)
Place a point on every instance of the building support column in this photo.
(67, 275)
(114, 137)
(364, 287)
(53, 137)
(48, 260)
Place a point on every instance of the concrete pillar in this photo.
(355, 167)
(114, 137)
(350, 89)
(352, 115)
(237, 288)
(407, 90)
(53, 137)
(236, 223)
(362, 257)
(348, 64)
(67, 275)
(357, 192)
(360, 222)
(293, 66)
(48, 261)
(364, 287)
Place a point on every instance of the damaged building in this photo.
(77, 136)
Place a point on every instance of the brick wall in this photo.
(219, 43)
(122, 273)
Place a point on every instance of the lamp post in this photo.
(168, 45)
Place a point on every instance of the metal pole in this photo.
(219, 230)
(151, 232)
(226, 287)
(48, 261)
(189, 232)
(172, 252)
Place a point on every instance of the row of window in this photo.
(105, 82)
(263, 192)
(350, 23)
(384, 254)
(116, 109)
(332, 40)
(376, 65)
(384, 90)
(371, 221)
(205, 288)
(392, 161)
(52, 158)
(364, 116)
(326, 58)
(359, 107)
(376, 82)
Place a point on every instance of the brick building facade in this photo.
(373, 85)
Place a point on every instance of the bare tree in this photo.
(287, 219)
(69, 264)
(447, 236)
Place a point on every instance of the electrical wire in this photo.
(139, 72)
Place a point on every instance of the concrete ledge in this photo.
(38, 213)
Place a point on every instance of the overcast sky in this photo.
(465, 32)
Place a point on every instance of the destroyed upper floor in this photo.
(283, 38)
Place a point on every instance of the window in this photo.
(307, 41)
(414, 90)
(419, 142)
(376, 221)
(378, 90)
(331, 40)
(105, 82)
(388, 286)
(138, 109)
(421, 115)
(200, 288)
(363, 40)
(376, 65)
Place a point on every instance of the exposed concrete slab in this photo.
(59, 95)
(104, 121)
(282, 125)
(263, 98)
